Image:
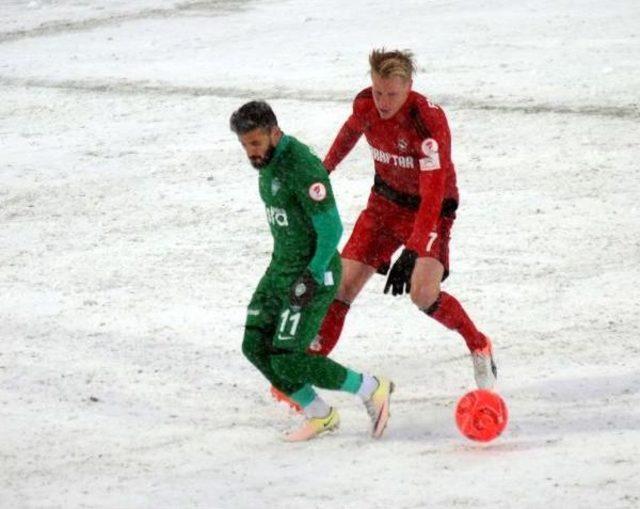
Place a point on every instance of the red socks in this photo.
(449, 312)
(331, 327)
(446, 310)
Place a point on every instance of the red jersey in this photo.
(412, 158)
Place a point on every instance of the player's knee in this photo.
(348, 290)
(424, 296)
(251, 344)
(278, 363)
(282, 363)
(248, 351)
(346, 295)
(353, 279)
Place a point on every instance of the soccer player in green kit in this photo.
(301, 280)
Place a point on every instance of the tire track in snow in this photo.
(126, 87)
(210, 8)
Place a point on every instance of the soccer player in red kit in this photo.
(412, 203)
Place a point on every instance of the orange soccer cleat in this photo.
(282, 397)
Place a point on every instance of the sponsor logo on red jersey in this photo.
(394, 159)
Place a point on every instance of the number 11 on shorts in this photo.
(291, 319)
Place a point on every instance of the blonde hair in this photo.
(387, 64)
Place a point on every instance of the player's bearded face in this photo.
(389, 94)
(259, 145)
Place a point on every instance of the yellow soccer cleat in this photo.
(378, 406)
(315, 426)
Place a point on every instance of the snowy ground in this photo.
(131, 237)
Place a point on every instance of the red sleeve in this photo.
(345, 141)
(435, 161)
(350, 132)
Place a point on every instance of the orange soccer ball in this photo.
(481, 415)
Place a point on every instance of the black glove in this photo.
(303, 290)
(400, 274)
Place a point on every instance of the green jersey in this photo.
(301, 210)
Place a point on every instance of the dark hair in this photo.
(252, 115)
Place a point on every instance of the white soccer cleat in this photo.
(378, 406)
(315, 426)
(484, 366)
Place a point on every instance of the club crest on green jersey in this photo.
(277, 216)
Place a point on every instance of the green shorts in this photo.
(290, 328)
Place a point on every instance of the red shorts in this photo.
(383, 227)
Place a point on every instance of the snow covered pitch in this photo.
(132, 236)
